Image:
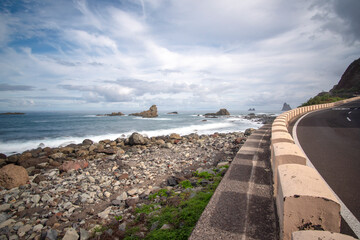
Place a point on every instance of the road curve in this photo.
(331, 140)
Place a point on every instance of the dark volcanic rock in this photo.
(172, 113)
(136, 139)
(286, 107)
(221, 112)
(350, 80)
(112, 114)
(152, 112)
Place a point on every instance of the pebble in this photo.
(38, 228)
(105, 214)
(4, 207)
(23, 230)
(71, 234)
(122, 197)
(51, 234)
(7, 223)
(62, 197)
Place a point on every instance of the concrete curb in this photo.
(316, 235)
(303, 200)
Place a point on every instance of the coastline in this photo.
(116, 177)
(18, 143)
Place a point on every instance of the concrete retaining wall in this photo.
(304, 201)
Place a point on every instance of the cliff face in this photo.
(350, 80)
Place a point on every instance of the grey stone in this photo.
(122, 227)
(51, 234)
(71, 234)
(23, 230)
(122, 197)
(35, 199)
(4, 207)
(4, 217)
(84, 235)
(38, 228)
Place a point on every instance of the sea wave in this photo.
(12, 147)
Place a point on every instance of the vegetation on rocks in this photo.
(320, 99)
(169, 214)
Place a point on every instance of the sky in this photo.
(180, 55)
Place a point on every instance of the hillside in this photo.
(348, 86)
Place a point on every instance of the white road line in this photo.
(348, 119)
(348, 216)
(349, 112)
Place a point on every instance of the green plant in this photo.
(204, 174)
(147, 208)
(118, 218)
(324, 98)
(186, 184)
(100, 229)
(162, 193)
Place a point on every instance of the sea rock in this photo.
(73, 165)
(115, 114)
(136, 139)
(152, 112)
(2, 156)
(13, 176)
(286, 107)
(172, 113)
(221, 112)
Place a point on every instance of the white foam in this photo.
(208, 127)
(154, 119)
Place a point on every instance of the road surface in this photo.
(331, 140)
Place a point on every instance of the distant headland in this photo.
(12, 113)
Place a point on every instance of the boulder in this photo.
(87, 142)
(73, 165)
(12, 176)
(136, 139)
(152, 112)
(175, 136)
(249, 131)
(2, 156)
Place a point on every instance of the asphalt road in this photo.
(331, 140)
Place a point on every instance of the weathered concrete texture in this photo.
(279, 129)
(304, 201)
(319, 235)
(285, 153)
(242, 206)
(277, 137)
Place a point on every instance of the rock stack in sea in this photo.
(151, 113)
(69, 191)
(221, 112)
(286, 107)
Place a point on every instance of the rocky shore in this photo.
(73, 190)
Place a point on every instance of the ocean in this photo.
(19, 133)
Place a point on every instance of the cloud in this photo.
(191, 53)
(7, 87)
